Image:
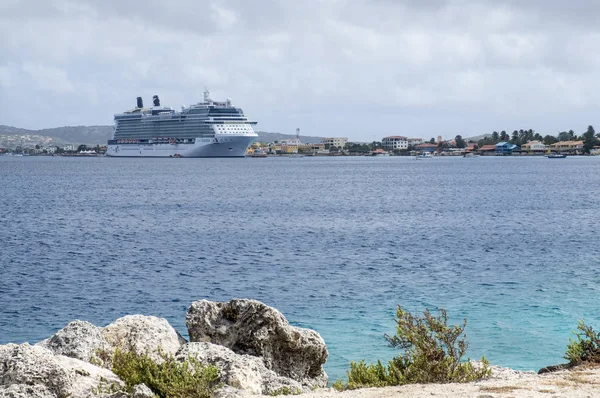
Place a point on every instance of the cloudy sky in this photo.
(356, 68)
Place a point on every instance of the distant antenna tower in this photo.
(297, 133)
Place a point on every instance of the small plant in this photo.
(285, 391)
(169, 379)
(586, 347)
(432, 352)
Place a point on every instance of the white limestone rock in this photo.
(231, 392)
(33, 366)
(142, 391)
(253, 328)
(79, 339)
(243, 372)
(26, 391)
(142, 334)
(34, 371)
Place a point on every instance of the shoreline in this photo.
(257, 353)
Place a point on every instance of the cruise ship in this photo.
(207, 129)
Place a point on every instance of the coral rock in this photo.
(253, 328)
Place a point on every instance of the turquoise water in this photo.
(512, 244)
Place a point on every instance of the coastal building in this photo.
(339, 142)
(595, 150)
(414, 141)
(570, 147)
(487, 150)
(505, 148)
(426, 147)
(534, 147)
(394, 142)
(291, 145)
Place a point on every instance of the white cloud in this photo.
(48, 78)
(314, 64)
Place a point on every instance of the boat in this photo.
(470, 155)
(556, 156)
(259, 153)
(379, 152)
(424, 155)
(206, 129)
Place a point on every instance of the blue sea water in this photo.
(512, 244)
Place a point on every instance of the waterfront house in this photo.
(379, 152)
(487, 150)
(504, 148)
(595, 150)
(534, 147)
(394, 142)
(414, 141)
(426, 147)
(569, 147)
(338, 142)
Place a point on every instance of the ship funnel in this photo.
(156, 100)
(140, 103)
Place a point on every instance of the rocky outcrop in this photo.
(253, 328)
(255, 348)
(142, 391)
(231, 392)
(143, 334)
(244, 372)
(79, 339)
(35, 371)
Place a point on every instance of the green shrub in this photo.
(586, 348)
(431, 353)
(169, 379)
(285, 391)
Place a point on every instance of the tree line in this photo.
(520, 137)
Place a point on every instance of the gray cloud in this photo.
(362, 69)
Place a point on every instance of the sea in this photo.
(512, 244)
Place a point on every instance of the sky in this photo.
(345, 68)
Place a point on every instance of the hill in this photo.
(477, 137)
(92, 135)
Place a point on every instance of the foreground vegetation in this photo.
(168, 379)
(431, 352)
(585, 347)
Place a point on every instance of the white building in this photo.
(414, 141)
(291, 141)
(394, 142)
(534, 146)
(339, 142)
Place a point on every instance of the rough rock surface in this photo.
(142, 334)
(26, 391)
(79, 339)
(230, 392)
(141, 391)
(243, 372)
(35, 371)
(253, 328)
(32, 366)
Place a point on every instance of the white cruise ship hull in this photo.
(227, 146)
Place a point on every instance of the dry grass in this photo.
(578, 379)
(500, 389)
(547, 391)
(561, 383)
